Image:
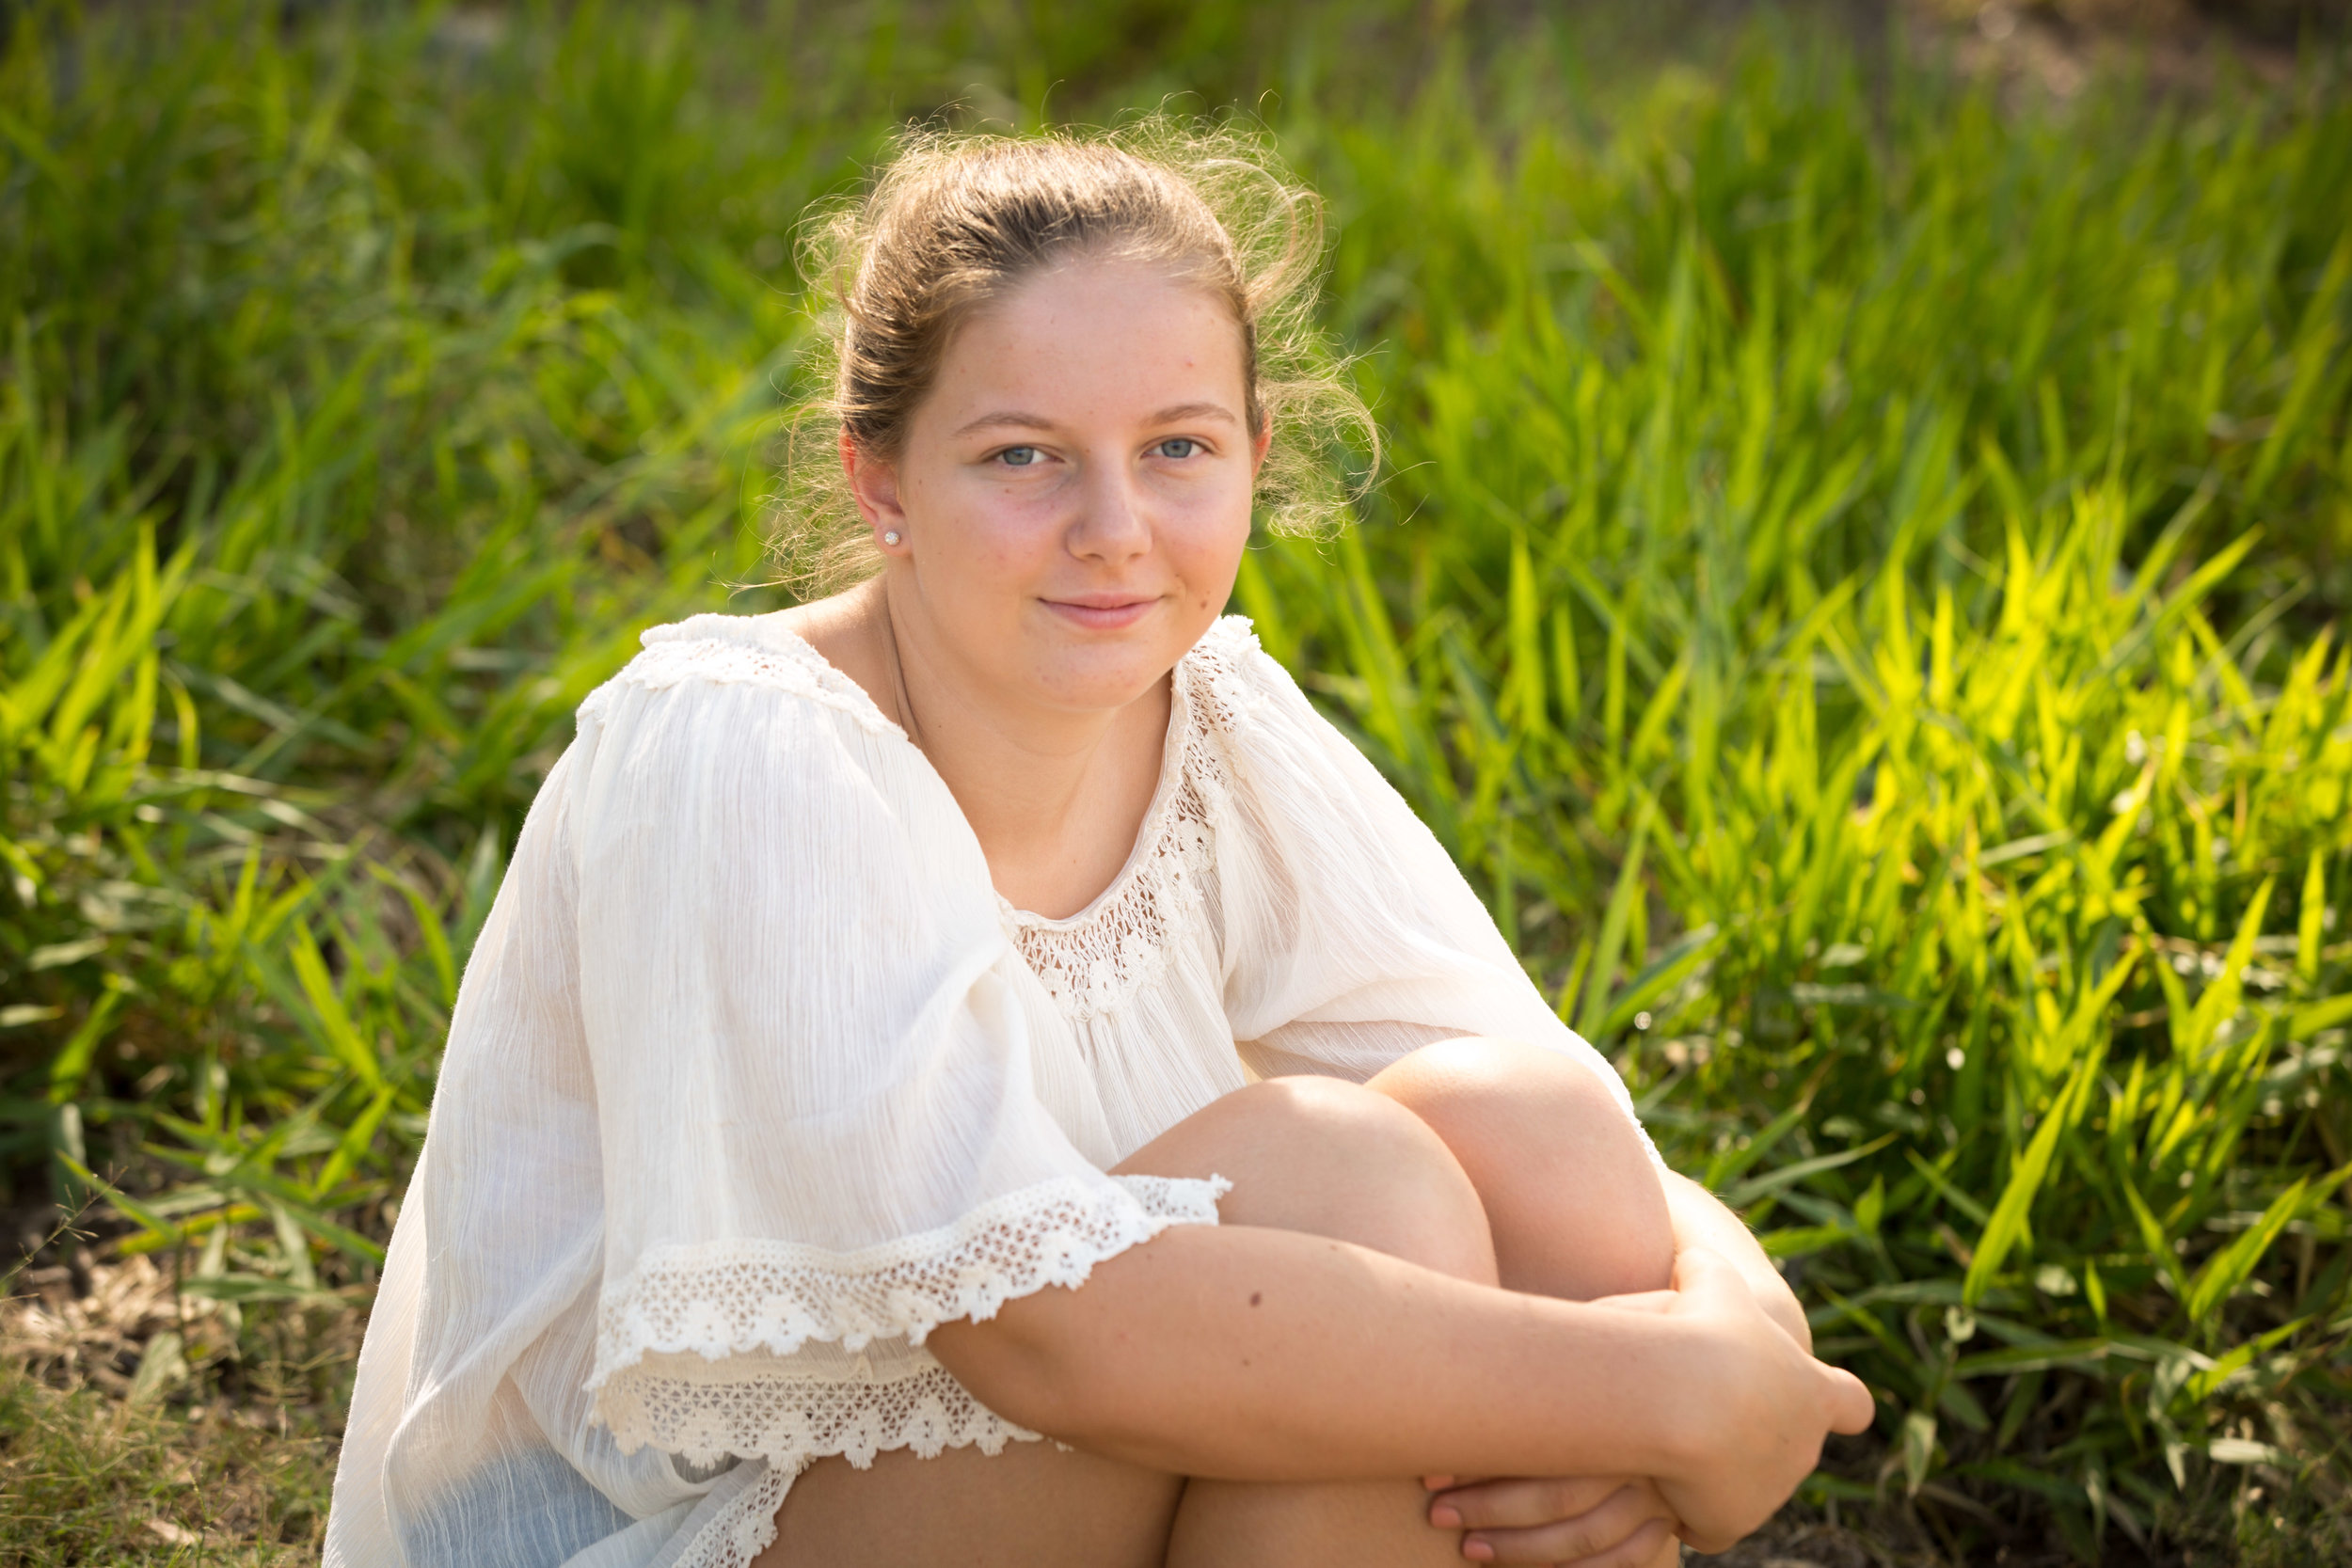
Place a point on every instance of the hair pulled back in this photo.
(956, 220)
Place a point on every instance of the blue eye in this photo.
(1178, 447)
(1018, 457)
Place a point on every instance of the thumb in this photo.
(1851, 1407)
(1702, 1269)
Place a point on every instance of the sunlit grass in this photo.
(1856, 584)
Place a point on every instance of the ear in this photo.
(874, 486)
(1259, 445)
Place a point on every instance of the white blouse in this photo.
(755, 1080)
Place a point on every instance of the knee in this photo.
(1335, 1158)
(1485, 1094)
(1480, 1064)
(1574, 1200)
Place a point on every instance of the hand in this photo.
(1780, 1305)
(1767, 1406)
(1571, 1521)
(1700, 1219)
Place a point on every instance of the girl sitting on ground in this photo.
(989, 1005)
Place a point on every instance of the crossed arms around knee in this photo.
(1345, 1322)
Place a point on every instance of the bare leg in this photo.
(1574, 1208)
(1312, 1155)
(1398, 1191)
(1032, 1504)
(1571, 1197)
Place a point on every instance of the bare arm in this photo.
(1274, 1356)
(1533, 1519)
(1700, 1219)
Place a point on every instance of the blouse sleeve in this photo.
(819, 1123)
(1351, 936)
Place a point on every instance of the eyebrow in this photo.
(1193, 411)
(1018, 419)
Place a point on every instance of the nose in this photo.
(1113, 524)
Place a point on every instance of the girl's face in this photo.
(1074, 495)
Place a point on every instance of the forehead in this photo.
(1096, 335)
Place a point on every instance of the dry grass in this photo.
(139, 1427)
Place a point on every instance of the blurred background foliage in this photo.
(1857, 581)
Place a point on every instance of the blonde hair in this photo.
(955, 220)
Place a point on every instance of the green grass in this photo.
(1857, 584)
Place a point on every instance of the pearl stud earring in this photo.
(891, 538)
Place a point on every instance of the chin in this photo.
(1098, 676)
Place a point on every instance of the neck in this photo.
(1055, 795)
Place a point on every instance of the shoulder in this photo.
(1234, 683)
(710, 656)
(729, 740)
(1274, 744)
(1242, 693)
(722, 715)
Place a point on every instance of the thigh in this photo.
(1360, 1524)
(1315, 1155)
(1332, 1159)
(1032, 1506)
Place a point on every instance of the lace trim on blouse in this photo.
(744, 1530)
(920, 1407)
(927, 1411)
(706, 1413)
(736, 1299)
(731, 1298)
(1094, 962)
(1096, 959)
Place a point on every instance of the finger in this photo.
(1521, 1501)
(1566, 1543)
(1852, 1408)
(1623, 1515)
(1651, 1546)
(1638, 1301)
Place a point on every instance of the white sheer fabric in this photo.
(753, 1081)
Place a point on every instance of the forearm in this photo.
(1700, 1218)
(1262, 1355)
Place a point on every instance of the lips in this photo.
(1100, 611)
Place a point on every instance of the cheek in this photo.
(985, 528)
(1207, 542)
(1012, 530)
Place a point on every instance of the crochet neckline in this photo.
(1151, 833)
